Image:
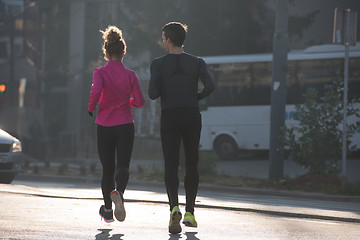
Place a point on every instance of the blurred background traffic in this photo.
(49, 49)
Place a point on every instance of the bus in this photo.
(237, 114)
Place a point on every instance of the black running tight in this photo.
(181, 124)
(110, 140)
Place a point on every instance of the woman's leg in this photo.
(106, 149)
(124, 144)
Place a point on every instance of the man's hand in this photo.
(91, 114)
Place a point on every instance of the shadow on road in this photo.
(189, 236)
(105, 235)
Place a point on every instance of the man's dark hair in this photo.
(176, 32)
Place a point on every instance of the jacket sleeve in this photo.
(138, 99)
(155, 81)
(96, 89)
(207, 81)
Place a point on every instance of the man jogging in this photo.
(174, 78)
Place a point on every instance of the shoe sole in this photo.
(188, 223)
(119, 211)
(175, 223)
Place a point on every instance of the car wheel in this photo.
(226, 148)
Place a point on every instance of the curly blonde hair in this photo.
(114, 44)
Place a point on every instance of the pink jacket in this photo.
(113, 84)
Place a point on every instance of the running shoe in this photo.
(175, 218)
(106, 215)
(118, 200)
(189, 220)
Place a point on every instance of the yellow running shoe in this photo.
(189, 220)
(175, 218)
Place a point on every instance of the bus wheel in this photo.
(225, 147)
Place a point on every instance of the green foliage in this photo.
(62, 168)
(316, 143)
(206, 168)
(47, 164)
(82, 170)
(150, 174)
(36, 169)
(351, 189)
(140, 169)
(207, 163)
(92, 168)
(26, 163)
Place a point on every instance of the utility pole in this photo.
(345, 34)
(12, 83)
(278, 90)
(75, 106)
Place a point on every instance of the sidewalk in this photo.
(257, 168)
(279, 203)
(160, 186)
(251, 168)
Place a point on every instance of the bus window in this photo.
(241, 84)
(240, 107)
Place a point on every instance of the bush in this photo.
(93, 168)
(26, 163)
(82, 170)
(47, 164)
(147, 174)
(207, 163)
(36, 169)
(62, 168)
(316, 143)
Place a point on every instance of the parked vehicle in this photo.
(237, 115)
(10, 157)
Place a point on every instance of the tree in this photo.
(215, 27)
(56, 54)
(316, 143)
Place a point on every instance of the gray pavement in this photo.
(281, 203)
(159, 186)
(313, 207)
(257, 168)
(252, 168)
(70, 211)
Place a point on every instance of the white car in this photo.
(10, 157)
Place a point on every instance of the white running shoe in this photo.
(118, 200)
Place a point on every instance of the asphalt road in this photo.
(69, 210)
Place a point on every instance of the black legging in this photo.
(181, 124)
(110, 139)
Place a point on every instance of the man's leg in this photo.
(191, 138)
(170, 139)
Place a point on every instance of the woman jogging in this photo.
(113, 85)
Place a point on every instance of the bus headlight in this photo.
(16, 147)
